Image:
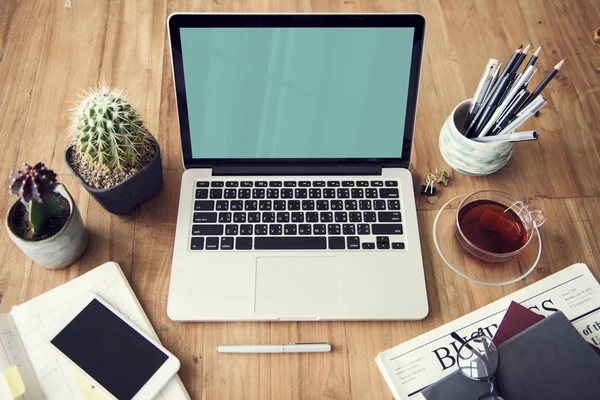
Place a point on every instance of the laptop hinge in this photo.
(296, 170)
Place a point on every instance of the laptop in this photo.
(296, 203)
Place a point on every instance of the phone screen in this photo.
(109, 350)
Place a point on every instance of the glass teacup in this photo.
(494, 226)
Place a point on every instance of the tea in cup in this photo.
(494, 226)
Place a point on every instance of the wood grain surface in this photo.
(50, 50)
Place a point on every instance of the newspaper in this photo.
(412, 366)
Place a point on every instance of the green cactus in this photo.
(108, 131)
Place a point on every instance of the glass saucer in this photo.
(472, 268)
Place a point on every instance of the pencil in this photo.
(520, 58)
(543, 84)
(534, 57)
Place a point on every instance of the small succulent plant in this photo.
(108, 131)
(35, 186)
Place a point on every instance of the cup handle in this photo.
(538, 217)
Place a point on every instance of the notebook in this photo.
(45, 374)
(548, 361)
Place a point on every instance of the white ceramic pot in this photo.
(60, 250)
(467, 156)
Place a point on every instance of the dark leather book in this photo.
(547, 361)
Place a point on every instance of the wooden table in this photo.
(50, 52)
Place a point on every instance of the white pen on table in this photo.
(481, 90)
(524, 115)
(309, 347)
(512, 137)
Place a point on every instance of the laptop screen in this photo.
(297, 93)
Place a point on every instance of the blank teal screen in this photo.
(296, 92)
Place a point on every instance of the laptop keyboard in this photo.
(297, 215)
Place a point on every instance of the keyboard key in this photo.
(283, 217)
(197, 242)
(289, 229)
(314, 193)
(350, 205)
(362, 183)
(274, 229)
(226, 243)
(216, 184)
(204, 205)
(224, 217)
(368, 246)
(205, 230)
(231, 184)
(293, 205)
(398, 245)
(279, 205)
(389, 193)
(364, 229)
(389, 216)
(343, 193)
(336, 205)
(268, 217)
(260, 183)
(239, 217)
(308, 205)
(297, 217)
(275, 184)
(222, 205)
(371, 193)
(300, 193)
(347, 183)
(319, 183)
(245, 229)
(216, 193)
(387, 229)
(379, 204)
(265, 205)
(244, 193)
(304, 184)
(333, 183)
(289, 184)
(272, 193)
(212, 243)
(291, 243)
(369, 216)
(337, 243)
(348, 229)
(326, 216)
(364, 204)
(258, 193)
(329, 193)
(334, 229)
(323, 205)
(243, 243)
(202, 193)
(261, 229)
(340, 216)
(202, 184)
(355, 217)
(246, 184)
(383, 242)
(254, 217)
(353, 242)
(319, 229)
(376, 183)
(393, 204)
(304, 229)
(312, 217)
(205, 217)
(391, 183)
(287, 193)
(236, 205)
(358, 193)
(250, 205)
(230, 193)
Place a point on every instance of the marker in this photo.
(513, 137)
(314, 347)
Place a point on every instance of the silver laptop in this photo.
(296, 202)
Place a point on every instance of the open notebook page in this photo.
(57, 377)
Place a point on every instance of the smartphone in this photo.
(117, 357)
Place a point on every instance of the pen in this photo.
(511, 62)
(314, 347)
(513, 137)
(509, 112)
(491, 106)
(484, 82)
(495, 76)
(524, 114)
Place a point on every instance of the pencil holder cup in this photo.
(467, 156)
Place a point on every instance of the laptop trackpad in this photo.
(298, 285)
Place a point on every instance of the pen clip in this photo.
(309, 343)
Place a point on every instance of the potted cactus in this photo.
(45, 224)
(111, 153)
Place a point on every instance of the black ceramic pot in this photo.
(121, 199)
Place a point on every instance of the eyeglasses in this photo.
(478, 359)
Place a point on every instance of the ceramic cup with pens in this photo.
(468, 156)
(494, 226)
